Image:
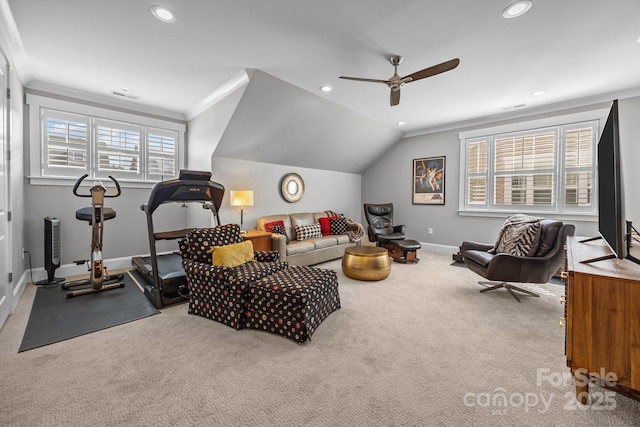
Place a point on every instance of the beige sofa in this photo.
(306, 252)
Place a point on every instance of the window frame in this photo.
(562, 123)
(47, 168)
(39, 174)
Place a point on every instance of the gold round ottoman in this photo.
(366, 263)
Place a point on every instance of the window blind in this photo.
(524, 167)
(73, 144)
(578, 166)
(161, 147)
(118, 148)
(477, 170)
(548, 169)
(66, 139)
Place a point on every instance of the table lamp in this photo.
(241, 198)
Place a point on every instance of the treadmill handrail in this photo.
(173, 234)
(177, 190)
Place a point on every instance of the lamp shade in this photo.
(241, 197)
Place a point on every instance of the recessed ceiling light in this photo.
(538, 92)
(124, 94)
(513, 107)
(163, 14)
(325, 88)
(400, 123)
(516, 9)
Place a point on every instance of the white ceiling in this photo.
(570, 48)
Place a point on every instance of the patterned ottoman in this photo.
(293, 302)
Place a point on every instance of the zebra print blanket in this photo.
(519, 236)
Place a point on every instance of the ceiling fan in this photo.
(394, 82)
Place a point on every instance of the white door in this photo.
(5, 286)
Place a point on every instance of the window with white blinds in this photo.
(578, 166)
(161, 149)
(65, 142)
(118, 150)
(538, 170)
(477, 172)
(523, 169)
(74, 144)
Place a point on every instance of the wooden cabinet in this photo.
(602, 320)
(261, 239)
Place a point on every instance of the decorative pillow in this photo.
(268, 226)
(338, 225)
(520, 239)
(325, 227)
(279, 229)
(232, 255)
(304, 232)
(200, 241)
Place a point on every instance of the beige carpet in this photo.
(420, 348)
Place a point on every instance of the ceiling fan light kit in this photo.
(394, 82)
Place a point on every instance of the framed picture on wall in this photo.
(428, 181)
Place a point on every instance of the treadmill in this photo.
(165, 277)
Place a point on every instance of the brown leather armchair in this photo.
(501, 268)
(380, 219)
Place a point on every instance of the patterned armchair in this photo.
(219, 293)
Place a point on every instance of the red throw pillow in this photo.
(325, 226)
(268, 227)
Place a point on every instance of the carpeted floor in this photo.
(420, 348)
(54, 317)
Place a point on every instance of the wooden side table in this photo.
(261, 239)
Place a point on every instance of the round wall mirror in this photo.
(292, 187)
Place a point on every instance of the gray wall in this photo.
(629, 114)
(338, 191)
(124, 236)
(203, 134)
(205, 130)
(324, 190)
(389, 180)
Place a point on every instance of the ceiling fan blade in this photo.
(366, 80)
(395, 97)
(432, 71)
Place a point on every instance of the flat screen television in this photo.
(612, 224)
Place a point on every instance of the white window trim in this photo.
(37, 102)
(567, 119)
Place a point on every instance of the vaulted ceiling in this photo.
(570, 49)
(277, 122)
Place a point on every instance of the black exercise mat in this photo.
(55, 318)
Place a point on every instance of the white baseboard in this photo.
(68, 270)
(439, 249)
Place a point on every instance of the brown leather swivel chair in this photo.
(500, 268)
(380, 219)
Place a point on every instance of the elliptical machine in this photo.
(96, 215)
